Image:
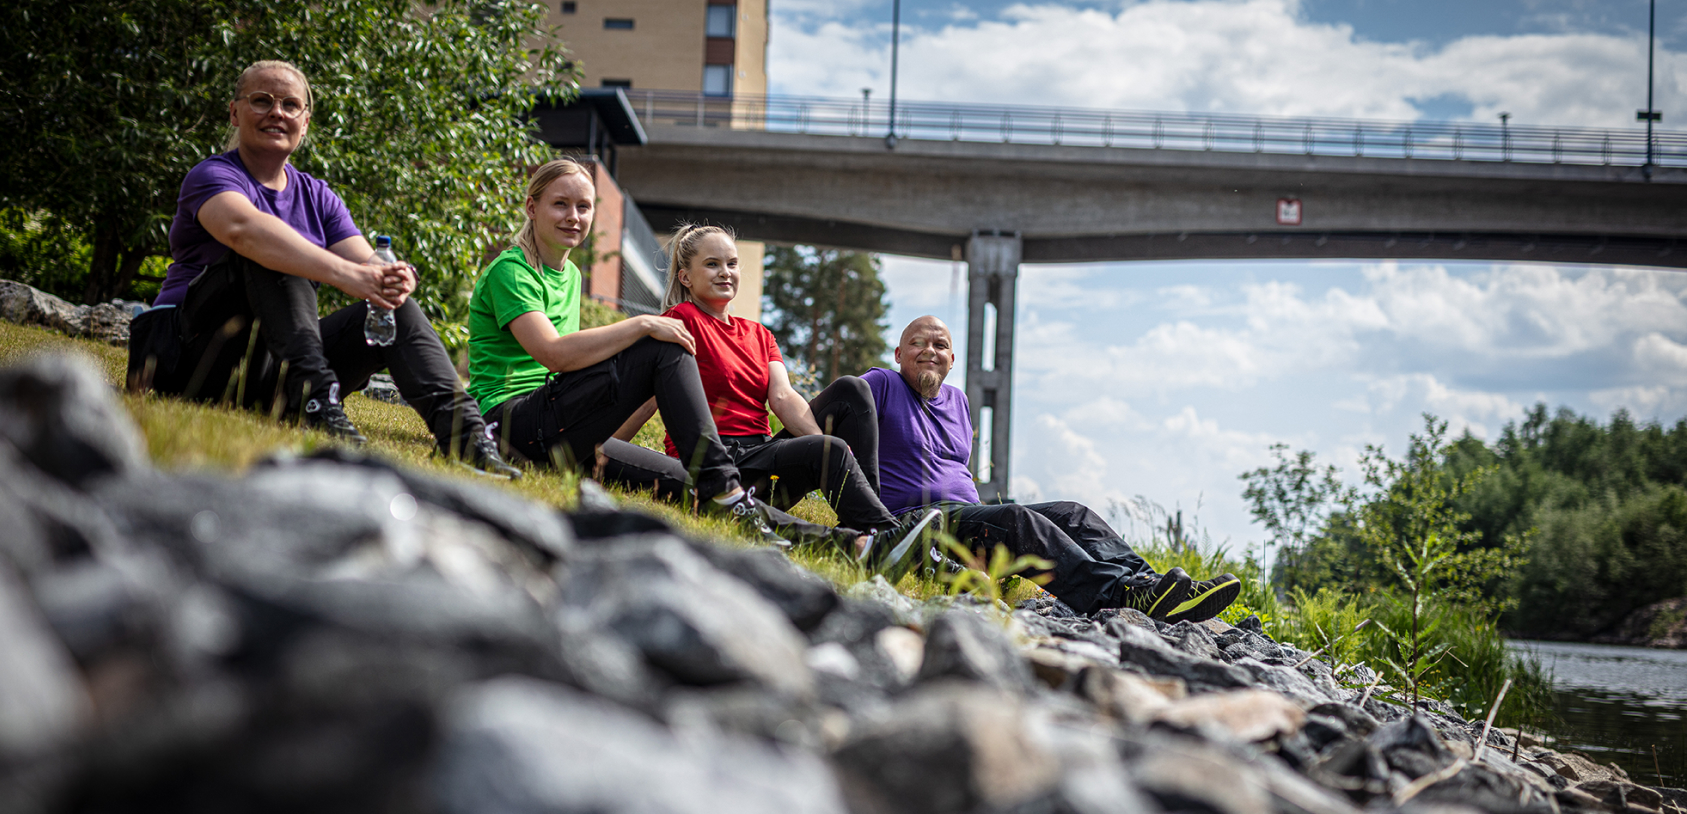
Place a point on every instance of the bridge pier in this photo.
(992, 277)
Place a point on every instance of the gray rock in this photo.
(1484, 789)
(1287, 681)
(1354, 721)
(24, 305)
(1411, 746)
(42, 700)
(525, 522)
(1195, 640)
(381, 387)
(515, 746)
(1148, 653)
(965, 645)
(853, 620)
(601, 664)
(692, 621)
(946, 747)
(802, 595)
(742, 710)
(1186, 777)
(1129, 616)
(60, 414)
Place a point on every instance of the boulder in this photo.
(1195, 639)
(43, 703)
(59, 413)
(517, 745)
(1127, 696)
(1241, 715)
(965, 645)
(525, 522)
(1148, 653)
(693, 622)
(103, 322)
(1287, 681)
(803, 596)
(946, 747)
(1411, 746)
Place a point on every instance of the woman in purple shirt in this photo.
(252, 239)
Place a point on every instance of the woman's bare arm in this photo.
(786, 403)
(270, 242)
(585, 348)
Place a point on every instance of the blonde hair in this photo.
(681, 249)
(527, 239)
(252, 70)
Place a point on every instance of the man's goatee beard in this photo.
(931, 383)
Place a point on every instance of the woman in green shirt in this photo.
(556, 393)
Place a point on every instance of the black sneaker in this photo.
(752, 514)
(1154, 594)
(328, 417)
(1205, 599)
(893, 551)
(482, 454)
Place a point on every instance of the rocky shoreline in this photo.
(336, 634)
(1660, 625)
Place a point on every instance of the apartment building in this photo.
(713, 47)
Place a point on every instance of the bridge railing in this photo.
(932, 121)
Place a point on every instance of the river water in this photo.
(1616, 704)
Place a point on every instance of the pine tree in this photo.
(827, 309)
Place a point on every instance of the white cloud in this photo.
(1238, 56)
(1644, 402)
(1419, 392)
(1663, 357)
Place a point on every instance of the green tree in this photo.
(1293, 500)
(420, 118)
(1413, 531)
(827, 308)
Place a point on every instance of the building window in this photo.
(723, 21)
(717, 80)
(618, 83)
(619, 23)
(568, 7)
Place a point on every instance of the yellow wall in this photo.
(748, 302)
(750, 77)
(664, 51)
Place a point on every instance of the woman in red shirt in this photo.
(744, 376)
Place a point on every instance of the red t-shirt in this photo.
(732, 360)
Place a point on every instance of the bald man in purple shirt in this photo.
(925, 440)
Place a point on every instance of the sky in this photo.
(1161, 382)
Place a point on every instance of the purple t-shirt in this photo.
(307, 205)
(924, 444)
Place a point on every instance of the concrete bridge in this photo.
(1001, 186)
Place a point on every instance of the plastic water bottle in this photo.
(380, 328)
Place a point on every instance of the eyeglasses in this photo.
(262, 103)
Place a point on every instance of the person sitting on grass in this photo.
(744, 376)
(556, 393)
(252, 239)
(925, 434)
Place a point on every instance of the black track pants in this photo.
(566, 420)
(1091, 561)
(295, 357)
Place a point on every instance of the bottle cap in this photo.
(383, 241)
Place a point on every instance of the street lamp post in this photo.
(1650, 114)
(895, 41)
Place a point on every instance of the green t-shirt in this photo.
(499, 368)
